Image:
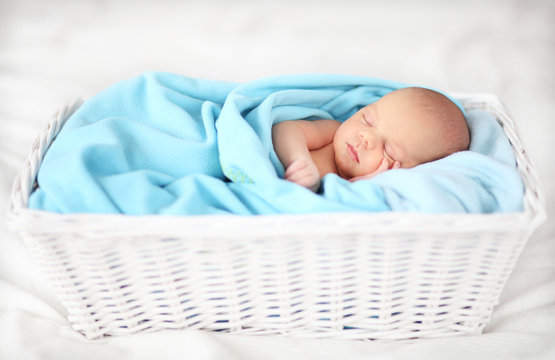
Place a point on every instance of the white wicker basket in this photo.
(383, 276)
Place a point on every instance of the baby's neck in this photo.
(324, 158)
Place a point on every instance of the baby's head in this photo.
(411, 125)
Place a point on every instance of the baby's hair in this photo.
(448, 116)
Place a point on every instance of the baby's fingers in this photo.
(384, 165)
(296, 166)
(305, 179)
(304, 173)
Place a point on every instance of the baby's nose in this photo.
(368, 139)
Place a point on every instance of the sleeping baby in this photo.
(403, 129)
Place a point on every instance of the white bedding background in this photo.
(52, 51)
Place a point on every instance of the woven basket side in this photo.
(534, 197)
(355, 287)
(25, 181)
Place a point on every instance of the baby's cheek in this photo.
(370, 166)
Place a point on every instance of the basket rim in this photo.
(20, 216)
(328, 223)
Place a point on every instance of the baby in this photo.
(404, 128)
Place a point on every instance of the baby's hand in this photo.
(303, 171)
(384, 165)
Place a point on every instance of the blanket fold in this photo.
(163, 143)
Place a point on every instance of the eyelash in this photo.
(366, 121)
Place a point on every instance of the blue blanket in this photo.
(167, 144)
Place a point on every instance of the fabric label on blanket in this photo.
(236, 175)
(163, 143)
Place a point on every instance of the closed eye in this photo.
(367, 120)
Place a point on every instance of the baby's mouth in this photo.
(352, 153)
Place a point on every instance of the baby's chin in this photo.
(346, 173)
(346, 170)
(342, 170)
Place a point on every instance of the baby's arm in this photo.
(293, 141)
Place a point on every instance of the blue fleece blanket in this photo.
(167, 144)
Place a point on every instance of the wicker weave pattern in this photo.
(359, 276)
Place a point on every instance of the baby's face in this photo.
(393, 128)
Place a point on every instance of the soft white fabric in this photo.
(54, 51)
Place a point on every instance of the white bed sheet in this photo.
(54, 51)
